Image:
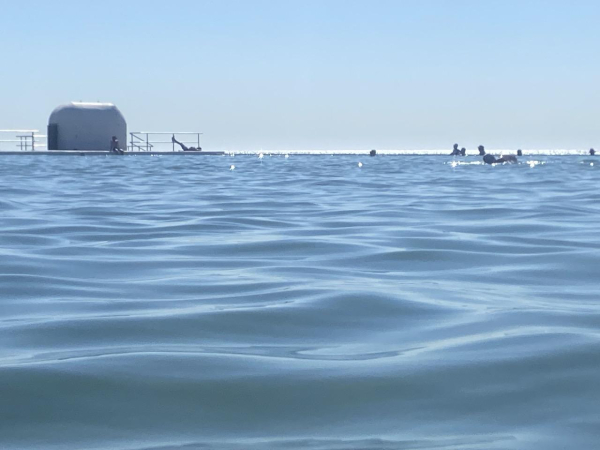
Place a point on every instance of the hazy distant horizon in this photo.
(314, 74)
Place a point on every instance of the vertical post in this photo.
(198, 138)
(32, 141)
(173, 144)
(131, 134)
(147, 143)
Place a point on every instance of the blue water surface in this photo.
(415, 302)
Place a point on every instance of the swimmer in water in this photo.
(115, 147)
(481, 149)
(184, 148)
(592, 152)
(491, 159)
(463, 152)
(519, 152)
(455, 151)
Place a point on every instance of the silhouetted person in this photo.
(592, 152)
(491, 159)
(373, 153)
(463, 152)
(184, 148)
(114, 146)
(481, 149)
(455, 150)
(519, 152)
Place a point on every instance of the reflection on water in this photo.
(301, 302)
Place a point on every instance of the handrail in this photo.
(19, 131)
(25, 141)
(165, 132)
(137, 145)
(147, 140)
(29, 140)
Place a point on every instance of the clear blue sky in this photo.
(288, 74)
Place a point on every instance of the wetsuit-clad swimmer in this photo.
(463, 152)
(491, 159)
(519, 152)
(592, 152)
(184, 148)
(481, 150)
(455, 151)
(114, 146)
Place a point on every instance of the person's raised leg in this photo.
(183, 147)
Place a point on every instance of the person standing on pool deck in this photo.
(114, 146)
(184, 148)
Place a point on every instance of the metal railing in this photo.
(24, 140)
(148, 141)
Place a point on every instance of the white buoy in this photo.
(260, 156)
(359, 164)
(232, 167)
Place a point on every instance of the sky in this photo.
(322, 74)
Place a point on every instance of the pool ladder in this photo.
(25, 140)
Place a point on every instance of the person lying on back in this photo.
(184, 148)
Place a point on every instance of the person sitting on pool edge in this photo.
(184, 148)
(491, 159)
(115, 147)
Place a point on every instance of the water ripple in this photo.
(415, 302)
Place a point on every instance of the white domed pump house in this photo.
(86, 126)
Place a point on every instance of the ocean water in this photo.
(299, 302)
